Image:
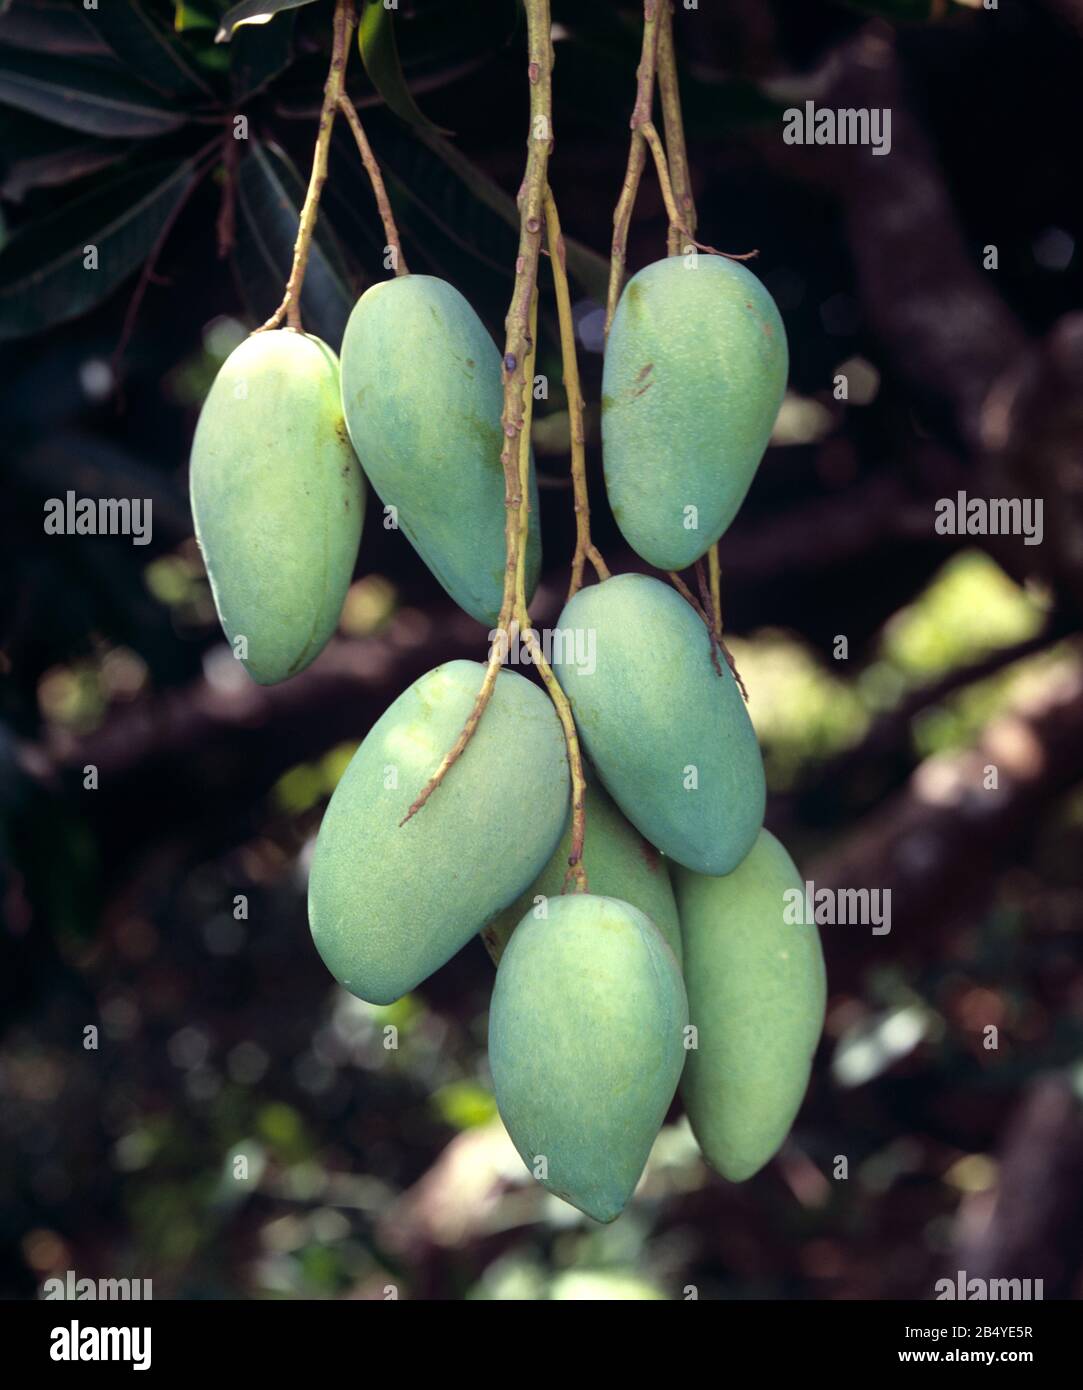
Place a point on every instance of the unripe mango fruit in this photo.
(670, 737)
(278, 499)
(695, 371)
(619, 862)
(586, 1044)
(756, 993)
(422, 396)
(387, 903)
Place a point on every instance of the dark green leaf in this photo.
(187, 19)
(43, 275)
(586, 266)
(83, 96)
(256, 56)
(38, 154)
(155, 55)
(380, 55)
(269, 197)
(594, 78)
(253, 12)
(447, 229)
(443, 40)
(49, 28)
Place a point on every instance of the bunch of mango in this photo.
(676, 968)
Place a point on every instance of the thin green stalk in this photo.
(637, 154)
(673, 120)
(584, 546)
(372, 168)
(332, 94)
(514, 418)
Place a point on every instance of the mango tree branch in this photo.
(676, 222)
(673, 120)
(575, 879)
(522, 463)
(332, 91)
(584, 547)
(517, 352)
(637, 153)
(661, 167)
(681, 178)
(518, 340)
(383, 204)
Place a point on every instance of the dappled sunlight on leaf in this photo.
(970, 608)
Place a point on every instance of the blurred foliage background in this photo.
(166, 907)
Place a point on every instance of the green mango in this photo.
(278, 500)
(756, 995)
(422, 395)
(619, 862)
(670, 737)
(586, 1045)
(387, 903)
(695, 371)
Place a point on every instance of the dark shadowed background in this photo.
(943, 280)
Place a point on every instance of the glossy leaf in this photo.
(444, 200)
(587, 267)
(269, 197)
(57, 28)
(44, 274)
(188, 19)
(151, 52)
(38, 154)
(442, 41)
(83, 96)
(380, 55)
(258, 55)
(592, 74)
(253, 12)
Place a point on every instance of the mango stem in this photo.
(518, 386)
(576, 877)
(584, 547)
(522, 462)
(575, 880)
(372, 168)
(673, 121)
(706, 613)
(306, 226)
(690, 598)
(459, 746)
(681, 180)
(714, 615)
(714, 565)
(637, 155)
